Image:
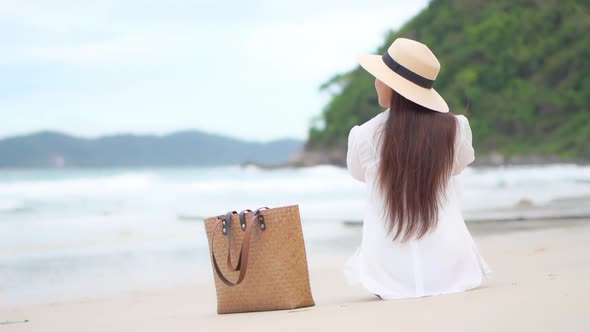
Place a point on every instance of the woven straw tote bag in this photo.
(259, 261)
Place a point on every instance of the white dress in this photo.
(444, 261)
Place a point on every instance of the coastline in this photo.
(310, 157)
(540, 283)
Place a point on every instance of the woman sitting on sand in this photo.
(415, 242)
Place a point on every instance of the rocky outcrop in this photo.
(318, 156)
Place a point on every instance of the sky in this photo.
(246, 69)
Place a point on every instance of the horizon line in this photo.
(140, 134)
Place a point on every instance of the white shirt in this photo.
(444, 261)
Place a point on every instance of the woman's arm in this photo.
(353, 162)
(464, 154)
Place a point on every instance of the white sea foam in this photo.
(485, 188)
(489, 188)
(526, 175)
(127, 182)
(10, 205)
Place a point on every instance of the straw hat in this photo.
(409, 68)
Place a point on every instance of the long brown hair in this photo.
(416, 163)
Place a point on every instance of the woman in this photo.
(415, 242)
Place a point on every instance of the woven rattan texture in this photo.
(277, 276)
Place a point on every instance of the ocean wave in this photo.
(12, 206)
(99, 184)
(273, 185)
(525, 175)
(173, 189)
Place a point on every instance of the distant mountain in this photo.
(186, 148)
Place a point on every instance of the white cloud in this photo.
(156, 66)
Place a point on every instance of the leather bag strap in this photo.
(230, 266)
(244, 251)
(227, 224)
(243, 218)
(226, 230)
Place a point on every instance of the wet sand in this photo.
(540, 283)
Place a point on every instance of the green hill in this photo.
(519, 70)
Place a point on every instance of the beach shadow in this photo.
(361, 299)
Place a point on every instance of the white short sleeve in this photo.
(353, 160)
(464, 153)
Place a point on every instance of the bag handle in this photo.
(243, 218)
(230, 266)
(226, 230)
(244, 251)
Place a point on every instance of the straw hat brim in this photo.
(428, 98)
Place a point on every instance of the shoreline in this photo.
(539, 283)
(307, 157)
(476, 164)
(474, 219)
(480, 162)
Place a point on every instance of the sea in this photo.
(75, 233)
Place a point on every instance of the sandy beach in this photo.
(541, 269)
(129, 124)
